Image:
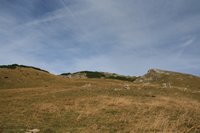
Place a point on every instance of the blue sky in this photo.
(122, 36)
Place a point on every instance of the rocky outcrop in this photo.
(151, 75)
(169, 79)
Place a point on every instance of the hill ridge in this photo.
(97, 74)
(14, 66)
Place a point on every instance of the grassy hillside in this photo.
(99, 105)
(168, 78)
(21, 77)
(14, 66)
(54, 104)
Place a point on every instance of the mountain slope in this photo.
(169, 78)
(14, 66)
(51, 104)
(20, 76)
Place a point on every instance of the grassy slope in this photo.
(25, 77)
(174, 79)
(96, 105)
(14, 66)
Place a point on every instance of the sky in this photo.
(121, 36)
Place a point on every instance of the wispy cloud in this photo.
(126, 37)
(184, 46)
(187, 42)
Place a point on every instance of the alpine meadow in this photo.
(99, 66)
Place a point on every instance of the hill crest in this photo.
(102, 75)
(14, 66)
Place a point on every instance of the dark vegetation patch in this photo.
(14, 66)
(65, 74)
(91, 74)
(125, 78)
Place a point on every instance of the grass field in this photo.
(99, 106)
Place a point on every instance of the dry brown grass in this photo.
(98, 105)
(74, 108)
